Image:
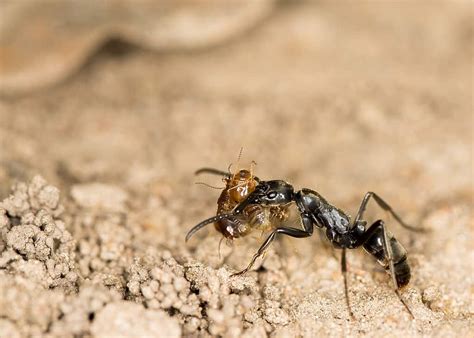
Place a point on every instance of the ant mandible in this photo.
(265, 206)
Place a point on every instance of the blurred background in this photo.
(341, 97)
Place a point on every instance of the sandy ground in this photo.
(98, 188)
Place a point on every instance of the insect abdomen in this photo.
(402, 272)
(374, 246)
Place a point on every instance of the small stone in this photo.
(134, 287)
(147, 292)
(154, 285)
(127, 319)
(180, 284)
(100, 196)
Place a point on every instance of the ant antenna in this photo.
(209, 186)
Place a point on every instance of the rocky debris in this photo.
(128, 319)
(26, 308)
(132, 283)
(273, 311)
(99, 196)
(229, 301)
(79, 312)
(32, 197)
(99, 222)
(34, 241)
(448, 291)
(8, 329)
(104, 247)
(201, 298)
(159, 282)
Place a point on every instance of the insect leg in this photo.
(373, 233)
(293, 232)
(344, 275)
(385, 206)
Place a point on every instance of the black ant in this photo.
(265, 207)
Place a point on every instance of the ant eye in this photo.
(272, 194)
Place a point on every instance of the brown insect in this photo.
(238, 186)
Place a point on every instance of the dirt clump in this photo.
(34, 239)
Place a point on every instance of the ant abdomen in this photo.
(374, 246)
(402, 273)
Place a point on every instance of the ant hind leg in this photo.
(372, 234)
(385, 206)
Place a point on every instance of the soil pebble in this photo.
(129, 319)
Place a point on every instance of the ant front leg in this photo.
(292, 232)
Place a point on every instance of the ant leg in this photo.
(344, 274)
(293, 232)
(306, 223)
(387, 254)
(385, 206)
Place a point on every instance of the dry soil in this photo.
(96, 177)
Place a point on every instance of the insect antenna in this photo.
(238, 160)
(201, 225)
(209, 186)
(240, 154)
(213, 172)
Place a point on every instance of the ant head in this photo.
(268, 193)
